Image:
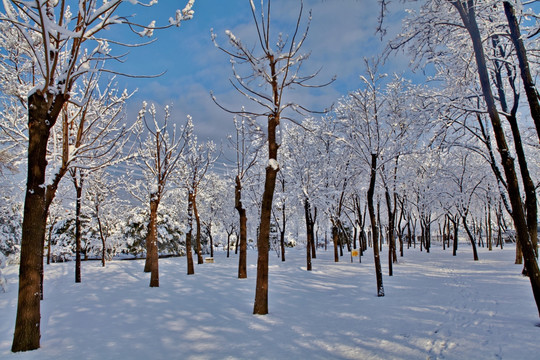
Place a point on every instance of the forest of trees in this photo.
(395, 163)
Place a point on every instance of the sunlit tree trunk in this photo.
(41, 117)
(189, 255)
(152, 253)
(260, 306)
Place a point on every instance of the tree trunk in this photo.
(528, 185)
(242, 259)
(309, 233)
(400, 233)
(521, 53)
(189, 255)
(101, 234)
(260, 306)
(469, 20)
(282, 232)
(374, 226)
(313, 245)
(209, 232)
(380, 237)
(409, 233)
(335, 239)
(49, 246)
(499, 213)
(228, 243)
(149, 242)
(511, 115)
(489, 227)
(391, 210)
(103, 244)
(282, 244)
(198, 230)
(41, 118)
(152, 253)
(471, 237)
(455, 223)
(355, 235)
(78, 201)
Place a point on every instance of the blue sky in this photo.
(342, 32)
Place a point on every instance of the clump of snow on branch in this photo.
(183, 15)
(273, 164)
(149, 30)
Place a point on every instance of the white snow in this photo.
(436, 307)
(273, 164)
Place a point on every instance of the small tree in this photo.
(276, 70)
(103, 206)
(247, 144)
(158, 156)
(198, 159)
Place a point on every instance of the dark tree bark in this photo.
(455, 224)
(101, 236)
(471, 237)
(198, 229)
(282, 243)
(228, 242)
(152, 253)
(242, 259)
(335, 239)
(468, 16)
(209, 233)
(511, 115)
(391, 210)
(521, 53)
(312, 229)
(78, 202)
(489, 227)
(374, 225)
(400, 229)
(260, 306)
(48, 249)
(189, 255)
(42, 115)
(309, 232)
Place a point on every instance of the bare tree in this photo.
(272, 70)
(198, 160)
(158, 156)
(461, 28)
(64, 46)
(103, 204)
(247, 145)
(525, 71)
(467, 14)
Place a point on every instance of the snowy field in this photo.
(436, 307)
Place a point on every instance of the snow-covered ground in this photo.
(436, 307)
